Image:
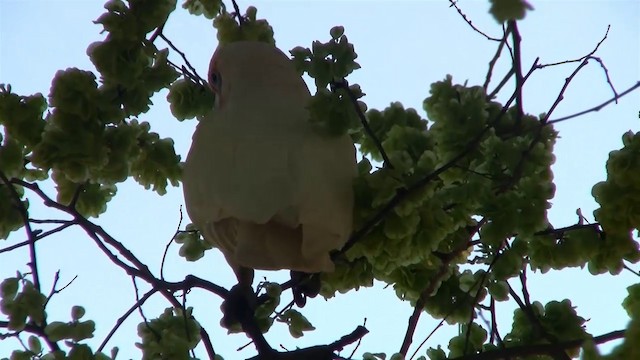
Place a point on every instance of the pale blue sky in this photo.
(403, 47)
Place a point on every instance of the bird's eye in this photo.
(215, 80)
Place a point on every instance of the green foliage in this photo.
(297, 323)
(193, 245)
(469, 341)
(131, 74)
(74, 330)
(332, 112)
(347, 276)
(402, 133)
(376, 356)
(189, 99)
(383, 356)
(558, 320)
(632, 302)
(505, 10)
(575, 248)
(207, 8)
(329, 61)
(156, 163)
(21, 303)
(619, 212)
(499, 177)
(451, 302)
(436, 354)
(10, 217)
(21, 117)
(86, 142)
(133, 20)
(170, 336)
(22, 122)
(251, 29)
(263, 313)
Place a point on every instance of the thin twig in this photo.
(184, 58)
(455, 5)
(38, 237)
(157, 33)
(144, 318)
(590, 56)
(124, 316)
(50, 221)
(166, 248)
(636, 273)
(364, 324)
(236, 8)
(560, 231)
(502, 83)
(343, 84)
(57, 291)
(440, 324)
(494, 60)
(494, 323)
(76, 196)
(598, 107)
(606, 75)
(582, 57)
(564, 88)
(56, 278)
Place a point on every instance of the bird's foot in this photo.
(238, 307)
(305, 285)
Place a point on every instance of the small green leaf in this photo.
(9, 288)
(505, 10)
(77, 312)
(336, 32)
(34, 344)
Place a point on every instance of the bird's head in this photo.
(251, 68)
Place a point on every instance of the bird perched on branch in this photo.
(259, 182)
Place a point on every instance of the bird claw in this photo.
(238, 306)
(305, 285)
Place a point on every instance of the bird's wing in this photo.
(271, 202)
(244, 176)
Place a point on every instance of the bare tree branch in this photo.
(31, 236)
(517, 67)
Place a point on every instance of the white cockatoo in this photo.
(259, 182)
